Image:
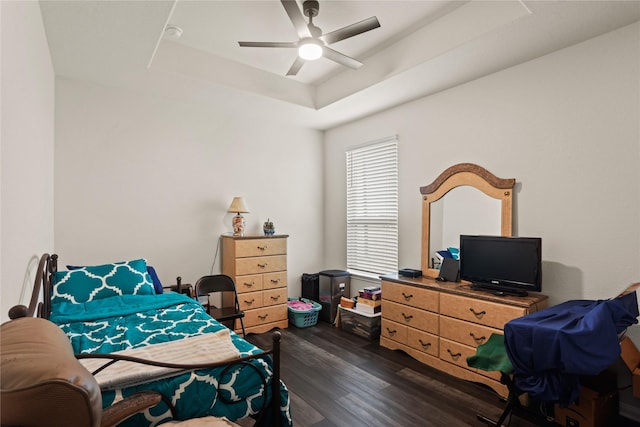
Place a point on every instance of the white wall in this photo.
(565, 125)
(144, 176)
(27, 122)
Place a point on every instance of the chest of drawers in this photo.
(258, 265)
(442, 324)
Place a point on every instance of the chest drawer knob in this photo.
(454, 356)
(250, 301)
(262, 248)
(262, 265)
(248, 284)
(391, 332)
(275, 280)
(424, 345)
(478, 340)
(275, 298)
(478, 314)
(407, 317)
(263, 317)
(407, 297)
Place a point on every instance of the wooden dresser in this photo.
(258, 265)
(441, 324)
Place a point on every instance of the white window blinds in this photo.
(372, 208)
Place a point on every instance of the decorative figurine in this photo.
(268, 228)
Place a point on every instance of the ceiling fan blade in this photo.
(268, 44)
(351, 30)
(297, 64)
(296, 17)
(341, 58)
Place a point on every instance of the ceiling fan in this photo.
(312, 43)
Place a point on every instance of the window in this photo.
(372, 208)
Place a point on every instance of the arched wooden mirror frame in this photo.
(459, 175)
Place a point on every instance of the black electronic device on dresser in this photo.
(502, 265)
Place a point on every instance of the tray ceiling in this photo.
(422, 47)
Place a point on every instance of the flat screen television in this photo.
(502, 265)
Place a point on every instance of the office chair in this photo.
(227, 313)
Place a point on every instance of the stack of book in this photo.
(369, 300)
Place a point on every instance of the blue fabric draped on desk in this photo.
(551, 348)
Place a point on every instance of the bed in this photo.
(164, 342)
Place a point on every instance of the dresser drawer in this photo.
(423, 341)
(263, 264)
(410, 316)
(274, 296)
(393, 331)
(260, 247)
(249, 283)
(471, 334)
(275, 280)
(478, 311)
(265, 315)
(456, 353)
(249, 300)
(410, 295)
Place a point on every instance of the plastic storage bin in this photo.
(362, 324)
(304, 318)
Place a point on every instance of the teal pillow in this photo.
(102, 281)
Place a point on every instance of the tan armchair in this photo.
(42, 383)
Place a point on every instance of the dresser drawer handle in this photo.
(262, 248)
(275, 280)
(275, 298)
(263, 317)
(391, 332)
(262, 265)
(424, 345)
(478, 340)
(478, 314)
(454, 356)
(250, 302)
(407, 317)
(407, 297)
(248, 284)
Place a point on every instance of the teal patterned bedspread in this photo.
(132, 321)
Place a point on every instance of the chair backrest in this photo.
(43, 384)
(214, 283)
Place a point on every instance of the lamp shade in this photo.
(238, 205)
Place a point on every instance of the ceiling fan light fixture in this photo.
(310, 50)
(312, 42)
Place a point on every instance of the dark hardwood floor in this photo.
(339, 379)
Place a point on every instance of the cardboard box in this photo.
(597, 404)
(591, 410)
(631, 357)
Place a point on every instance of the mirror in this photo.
(476, 202)
(451, 217)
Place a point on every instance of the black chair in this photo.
(230, 307)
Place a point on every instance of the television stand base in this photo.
(499, 291)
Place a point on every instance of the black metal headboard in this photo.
(42, 286)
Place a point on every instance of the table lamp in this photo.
(238, 206)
